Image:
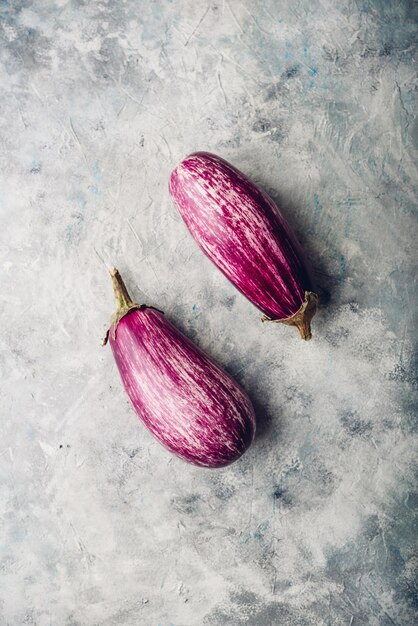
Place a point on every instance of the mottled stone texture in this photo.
(315, 100)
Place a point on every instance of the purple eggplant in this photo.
(189, 403)
(240, 228)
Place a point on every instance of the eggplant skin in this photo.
(187, 401)
(240, 228)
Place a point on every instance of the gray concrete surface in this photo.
(316, 101)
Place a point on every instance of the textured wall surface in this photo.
(313, 99)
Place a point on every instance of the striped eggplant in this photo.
(240, 228)
(188, 402)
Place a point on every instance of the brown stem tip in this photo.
(302, 318)
(123, 299)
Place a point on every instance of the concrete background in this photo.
(315, 100)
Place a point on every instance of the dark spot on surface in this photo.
(297, 395)
(319, 474)
(260, 532)
(402, 375)
(212, 125)
(35, 169)
(334, 337)
(186, 504)
(294, 467)
(368, 52)
(292, 71)
(100, 125)
(74, 228)
(61, 446)
(386, 50)
(133, 453)
(274, 129)
(273, 91)
(330, 54)
(261, 126)
(353, 424)
(281, 494)
(228, 302)
(224, 492)
(233, 142)
(277, 134)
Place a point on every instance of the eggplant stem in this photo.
(302, 318)
(124, 304)
(123, 299)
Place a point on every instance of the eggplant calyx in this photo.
(124, 303)
(302, 318)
